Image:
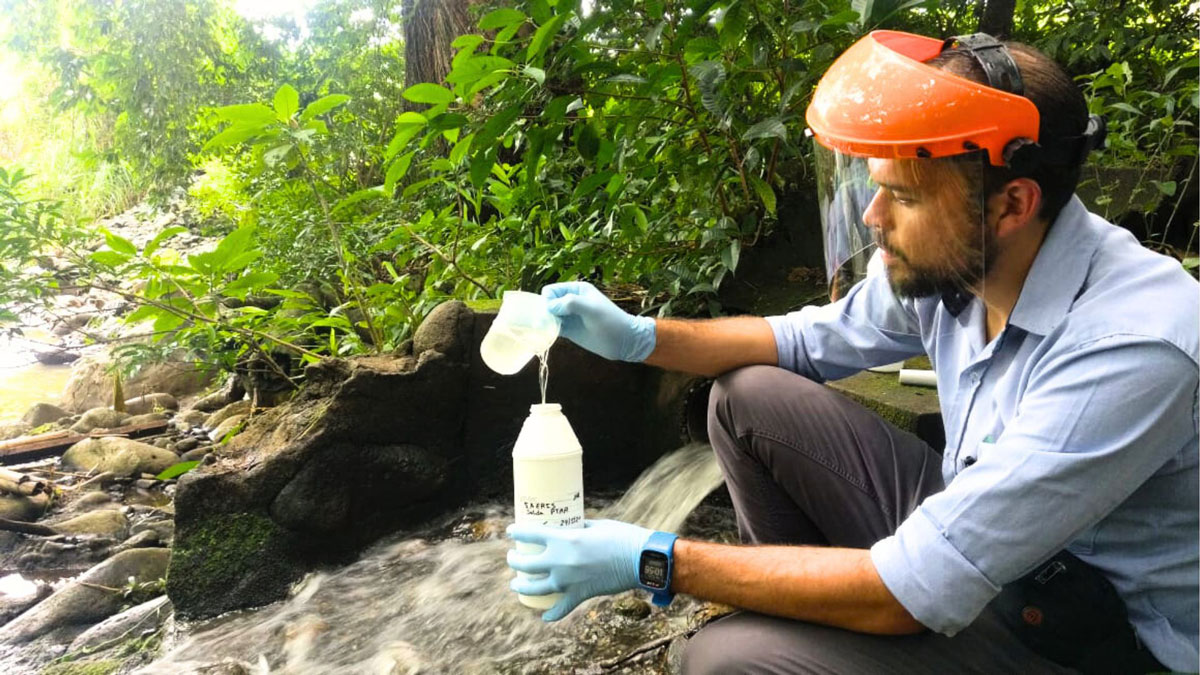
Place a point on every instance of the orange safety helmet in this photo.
(880, 99)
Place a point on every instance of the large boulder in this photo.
(236, 408)
(131, 623)
(91, 383)
(99, 418)
(43, 413)
(94, 596)
(149, 403)
(101, 522)
(376, 444)
(447, 329)
(11, 430)
(121, 456)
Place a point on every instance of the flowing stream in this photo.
(417, 603)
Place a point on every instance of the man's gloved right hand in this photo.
(592, 321)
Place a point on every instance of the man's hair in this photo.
(1062, 111)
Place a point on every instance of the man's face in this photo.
(927, 221)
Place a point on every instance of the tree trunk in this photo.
(997, 19)
(429, 28)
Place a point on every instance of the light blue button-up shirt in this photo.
(1075, 428)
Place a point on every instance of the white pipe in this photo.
(918, 378)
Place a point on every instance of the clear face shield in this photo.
(923, 221)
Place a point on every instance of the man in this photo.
(1058, 529)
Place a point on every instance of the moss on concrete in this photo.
(82, 668)
(226, 560)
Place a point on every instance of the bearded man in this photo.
(1057, 530)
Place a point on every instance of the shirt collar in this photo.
(1058, 271)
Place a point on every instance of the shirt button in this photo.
(968, 461)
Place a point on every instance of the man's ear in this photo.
(1015, 206)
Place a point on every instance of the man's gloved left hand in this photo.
(599, 558)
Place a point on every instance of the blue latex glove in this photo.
(592, 321)
(600, 558)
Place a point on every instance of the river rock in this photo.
(103, 522)
(195, 454)
(147, 418)
(91, 500)
(164, 530)
(150, 403)
(447, 329)
(43, 413)
(227, 425)
(19, 507)
(12, 606)
(91, 384)
(99, 418)
(186, 444)
(13, 430)
(121, 456)
(81, 601)
(212, 402)
(193, 418)
(236, 408)
(631, 606)
(128, 624)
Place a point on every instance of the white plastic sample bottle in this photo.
(547, 481)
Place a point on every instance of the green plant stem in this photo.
(347, 272)
(183, 313)
(448, 260)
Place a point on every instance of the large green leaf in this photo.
(322, 106)
(249, 114)
(287, 102)
(177, 470)
(159, 238)
(249, 282)
(771, 127)
(119, 244)
(427, 92)
(397, 171)
(233, 135)
(501, 18)
(407, 126)
(541, 39)
(235, 244)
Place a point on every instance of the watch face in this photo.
(652, 570)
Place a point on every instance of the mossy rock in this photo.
(227, 561)
(105, 667)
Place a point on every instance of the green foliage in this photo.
(30, 229)
(176, 470)
(645, 146)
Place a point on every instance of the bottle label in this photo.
(561, 511)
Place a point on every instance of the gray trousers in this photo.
(805, 465)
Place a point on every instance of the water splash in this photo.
(418, 605)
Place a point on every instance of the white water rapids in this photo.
(412, 605)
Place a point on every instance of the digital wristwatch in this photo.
(655, 566)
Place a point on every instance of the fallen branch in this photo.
(27, 528)
(647, 647)
(18, 483)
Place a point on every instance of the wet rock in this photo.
(631, 606)
(186, 444)
(164, 530)
(99, 418)
(91, 384)
(146, 483)
(161, 442)
(195, 454)
(13, 430)
(90, 501)
(55, 356)
(225, 427)
(121, 456)
(211, 403)
(195, 418)
(131, 622)
(237, 408)
(83, 601)
(94, 667)
(19, 507)
(43, 413)
(144, 539)
(12, 606)
(104, 522)
(147, 418)
(447, 329)
(149, 403)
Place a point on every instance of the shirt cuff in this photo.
(930, 578)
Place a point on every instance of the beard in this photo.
(960, 270)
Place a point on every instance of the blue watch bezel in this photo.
(662, 543)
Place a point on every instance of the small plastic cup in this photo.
(523, 328)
